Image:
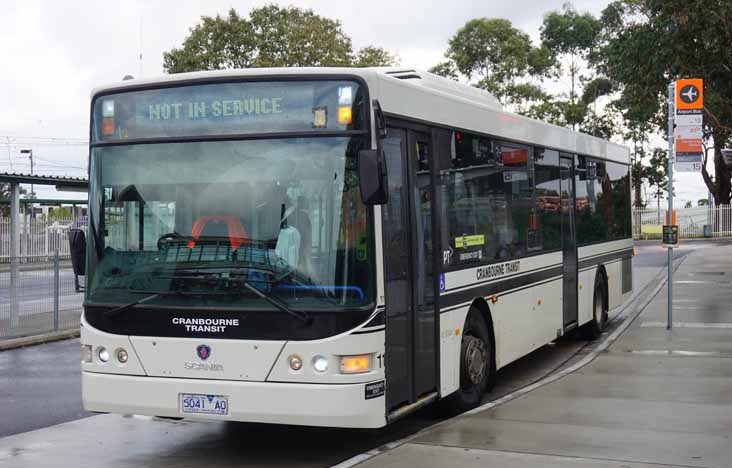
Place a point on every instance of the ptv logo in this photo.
(203, 351)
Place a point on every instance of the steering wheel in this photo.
(169, 237)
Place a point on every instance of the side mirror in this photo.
(77, 249)
(372, 177)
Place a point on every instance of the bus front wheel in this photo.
(477, 367)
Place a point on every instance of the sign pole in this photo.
(671, 112)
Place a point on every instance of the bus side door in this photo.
(411, 355)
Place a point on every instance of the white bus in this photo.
(334, 247)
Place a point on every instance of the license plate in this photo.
(204, 404)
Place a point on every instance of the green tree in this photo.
(572, 37)
(657, 174)
(272, 36)
(646, 44)
(497, 57)
(371, 56)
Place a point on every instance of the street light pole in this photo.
(29, 152)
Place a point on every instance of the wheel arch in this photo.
(480, 306)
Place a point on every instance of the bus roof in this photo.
(419, 95)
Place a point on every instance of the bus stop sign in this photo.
(670, 235)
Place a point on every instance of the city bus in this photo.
(333, 246)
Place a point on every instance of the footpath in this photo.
(650, 398)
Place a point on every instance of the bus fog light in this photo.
(122, 355)
(295, 362)
(355, 364)
(103, 354)
(320, 363)
(86, 353)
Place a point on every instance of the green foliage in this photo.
(646, 44)
(371, 56)
(272, 36)
(568, 32)
(498, 58)
(445, 69)
(572, 38)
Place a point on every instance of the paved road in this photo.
(40, 386)
(137, 441)
(37, 285)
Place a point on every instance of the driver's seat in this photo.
(234, 229)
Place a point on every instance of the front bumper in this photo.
(331, 405)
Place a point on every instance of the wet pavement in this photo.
(118, 441)
(653, 398)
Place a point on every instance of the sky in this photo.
(55, 52)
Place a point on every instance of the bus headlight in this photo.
(86, 353)
(355, 364)
(295, 362)
(122, 355)
(320, 363)
(103, 354)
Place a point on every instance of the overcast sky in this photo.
(55, 52)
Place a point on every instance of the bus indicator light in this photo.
(345, 117)
(86, 353)
(108, 126)
(355, 364)
(494, 299)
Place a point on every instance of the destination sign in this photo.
(229, 109)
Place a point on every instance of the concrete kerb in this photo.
(38, 339)
(635, 306)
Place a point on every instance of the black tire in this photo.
(476, 347)
(593, 329)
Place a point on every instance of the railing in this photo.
(39, 238)
(38, 297)
(648, 222)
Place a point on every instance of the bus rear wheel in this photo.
(593, 329)
(477, 368)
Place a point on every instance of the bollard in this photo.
(56, 289)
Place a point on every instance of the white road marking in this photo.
(688, 325)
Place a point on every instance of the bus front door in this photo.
(411, 355)
(569, 242)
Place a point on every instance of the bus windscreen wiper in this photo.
(304, 316)
(117, 310)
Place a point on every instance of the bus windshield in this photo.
(238, 195)
(202, 222)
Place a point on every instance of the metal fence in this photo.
(39, 297)
(37, 288)
(40, 237)
(648, 222)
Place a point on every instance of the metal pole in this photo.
(14, 255)
(56, 289)
(671, 112)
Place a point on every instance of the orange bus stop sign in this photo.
(689, 95)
